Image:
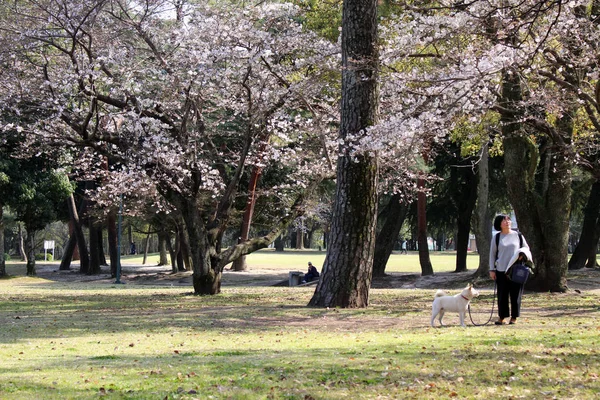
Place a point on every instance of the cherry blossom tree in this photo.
(534, 63)
(188, 96)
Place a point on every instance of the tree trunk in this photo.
(65, 262)
(240, 263)
(279, 244)
(300, 238)
(94, 250)
(542, 204)
(30, 251)
(113, 238)
(206, 277)
(424, 260)
(348, 267)
(146, 247)
(483, 230)
(172, 252)
(71, 250)
(101, 255)
(2, 258)
(186, 252)
(465, 195)
(588, 239)
(178, 248)
(22, 243)
(84, 259)
(591, 262)
(394, 213)
(162, 248)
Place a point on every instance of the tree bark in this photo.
(146, 248)
(542, 204)
(588, 239)
(112, 233)
(101, 255)
(94, 250)
(348, 267)
(300, 238)
(71, 249)
(2, 258)
(240, 263)
(279, 244)
(424, 260)
(65, 262)
(465, 197)
(30, 251)
(162, 247)
(394, 213)
(84, 259)
(22, 243)
(483, 230)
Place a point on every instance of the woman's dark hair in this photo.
(498, 221)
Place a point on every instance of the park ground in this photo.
(70, 336)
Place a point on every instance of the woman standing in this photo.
(507, 246)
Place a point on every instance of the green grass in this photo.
(83, 341)
(298, 259)
(268, 259)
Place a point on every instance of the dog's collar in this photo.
(466, 298)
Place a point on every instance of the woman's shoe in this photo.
(499, 322)
(513, 321)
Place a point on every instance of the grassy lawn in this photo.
(298, 259)
(87, 341)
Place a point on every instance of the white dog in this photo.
(458, 303)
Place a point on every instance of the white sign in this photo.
(48, 244)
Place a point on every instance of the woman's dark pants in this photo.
(507, 289)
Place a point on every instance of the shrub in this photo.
(40, 257)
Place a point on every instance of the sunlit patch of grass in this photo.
(83, 341)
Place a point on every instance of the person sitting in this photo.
(311, 274)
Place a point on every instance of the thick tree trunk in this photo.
(483, 230)
(424, 260)
(542, 204)
(30, 251)
(394, 213)
(348, 267)
(588, 239)
(206, 277)
(2, 258)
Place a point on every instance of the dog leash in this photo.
(491, 312)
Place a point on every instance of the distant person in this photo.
(132, 249)
(404, 248)
(311, 274)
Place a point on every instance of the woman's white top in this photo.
(508, 246)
